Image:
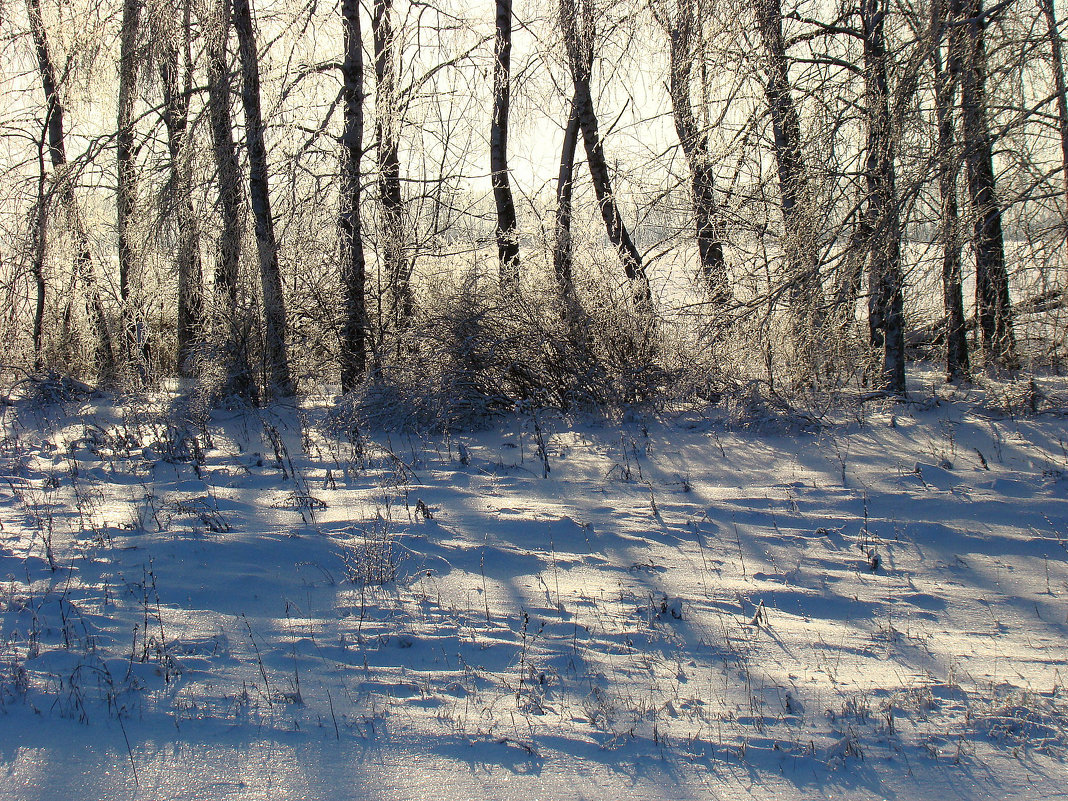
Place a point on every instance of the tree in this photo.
(992, 303)
(64, 190)
(882, 223)
(353, 268)
(231, 206)
(579, 32)
(946, 79)
(176, 95)
(276, 361)
(1049, 11)
(802, 263)
(683, 41)
(387, 146)
(507, 224)
(126, 171)
(563, 257)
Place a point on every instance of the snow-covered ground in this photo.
(269, 604)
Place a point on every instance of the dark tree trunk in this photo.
(958, 367)
(993, 307)
(886, 290)
(801, 259)
(387, 146)
(274, 313)
(126, 174)
(1049, 10)
(578, 37)
(64, 181)
(563, 263)
(565, 185)
(228, 173)
(176, 119)
(507, 224)
(353, 267)
(40, 234)
(682, 32)
(232, 320)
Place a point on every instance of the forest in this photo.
(646, 399)
(395, 196)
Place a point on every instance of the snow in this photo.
(871, 604)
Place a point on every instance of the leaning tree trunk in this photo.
(801, 259)
(957, 362)
(353, 266)
(64, 182)
(231, 209)
(993, 307)
(579, 42)
(387, 146)
(507, 224)
(886, 290)
(682, 33)
(563, 262)
(276, 362)
(563, 254)
(126, 173)
(176, 119)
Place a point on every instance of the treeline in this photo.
(564, 202)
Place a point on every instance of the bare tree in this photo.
(507, 224)
(1049, 11)
(274, 314)
(993, 307)
(683, 35)
(387, 145)
(176, 74)
(126, 175)
(231, 206)
(886, 280)
(946, 79)
(64, 189)
(39, 236)
(353, 267)
(802, 264)
(563, 257)
(577, 20)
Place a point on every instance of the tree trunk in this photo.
(276, 361)
(565, 185)
(353, 267)
(40, 232)
(886, 293)
(231, 318)
(957, 362)
(1050, 12)
(387, 146)
(176, 120)
(507, 224)
(126, 172)
(64, 182)
(800, 249)
(579, 42)
(993, 307)
(681, 33)
(231, 211)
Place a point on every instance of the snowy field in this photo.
(734, 604)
